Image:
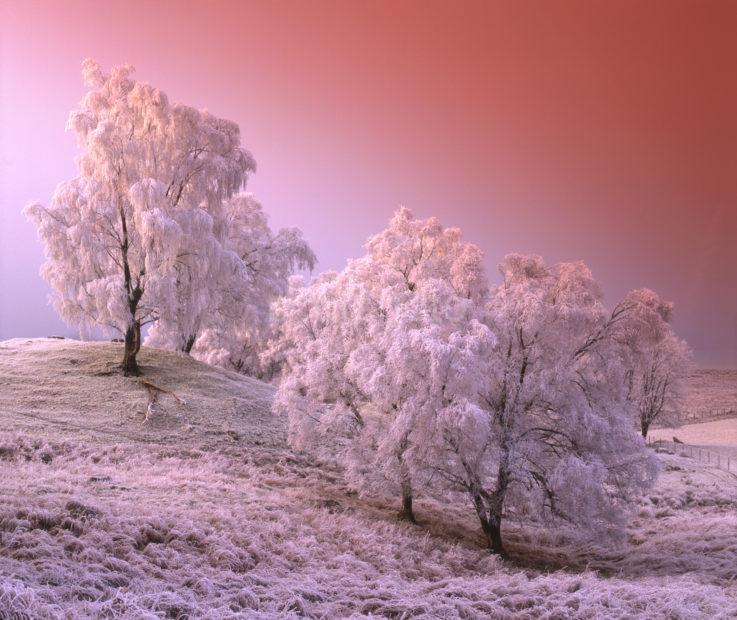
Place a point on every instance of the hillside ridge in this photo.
(77, 388)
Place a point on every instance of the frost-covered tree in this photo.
(404, 369)
(527, 409)
(657, 361)
(346, 397)
(144, 211)
(199, 276)
(225, 320)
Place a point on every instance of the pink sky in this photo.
(602, 131)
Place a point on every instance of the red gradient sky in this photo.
(602, 131)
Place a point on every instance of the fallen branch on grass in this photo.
(153, 396)
(152, 386)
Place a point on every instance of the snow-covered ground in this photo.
(203, 511)
(709, 441)
(716, 433)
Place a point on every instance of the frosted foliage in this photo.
(261, 264)
(134, 235)
(526, 409)
(346, 398)
(658, 362)
(247, 268)
(410, 373)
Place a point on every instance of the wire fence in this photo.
(725, 462)
(709, 415)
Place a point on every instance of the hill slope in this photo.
(711, 393)
(202, 511)
(74, 389)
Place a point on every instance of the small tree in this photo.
(200, 274)
(225, 320)
(338, 338)
(538, 423)
(657, 361)
(116, 236)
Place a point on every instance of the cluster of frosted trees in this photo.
(416, 376)
(155, 230)
(407, 368)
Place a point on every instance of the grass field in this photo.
(203, 511)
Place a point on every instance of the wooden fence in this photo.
(702, 455)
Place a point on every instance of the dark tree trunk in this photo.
(644, 428)
(493, 531)
(490, 508)
(494, 539)
(406, 513)
(137, 336)
(187, 348)
(132, 346)
(134, 294)
(491, 523)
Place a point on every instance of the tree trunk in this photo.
(644, 428)
(493, 531)
(132, 346)
(406, 513)
(491, 522)
(494, 540)
(187, 348)
(137, 336)
(490, 508)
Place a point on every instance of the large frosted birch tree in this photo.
(145, 210)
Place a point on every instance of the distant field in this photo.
(711, 408)
(711, 394)
(720, 436)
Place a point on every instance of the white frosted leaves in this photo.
(142, 234)
(406, 368)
